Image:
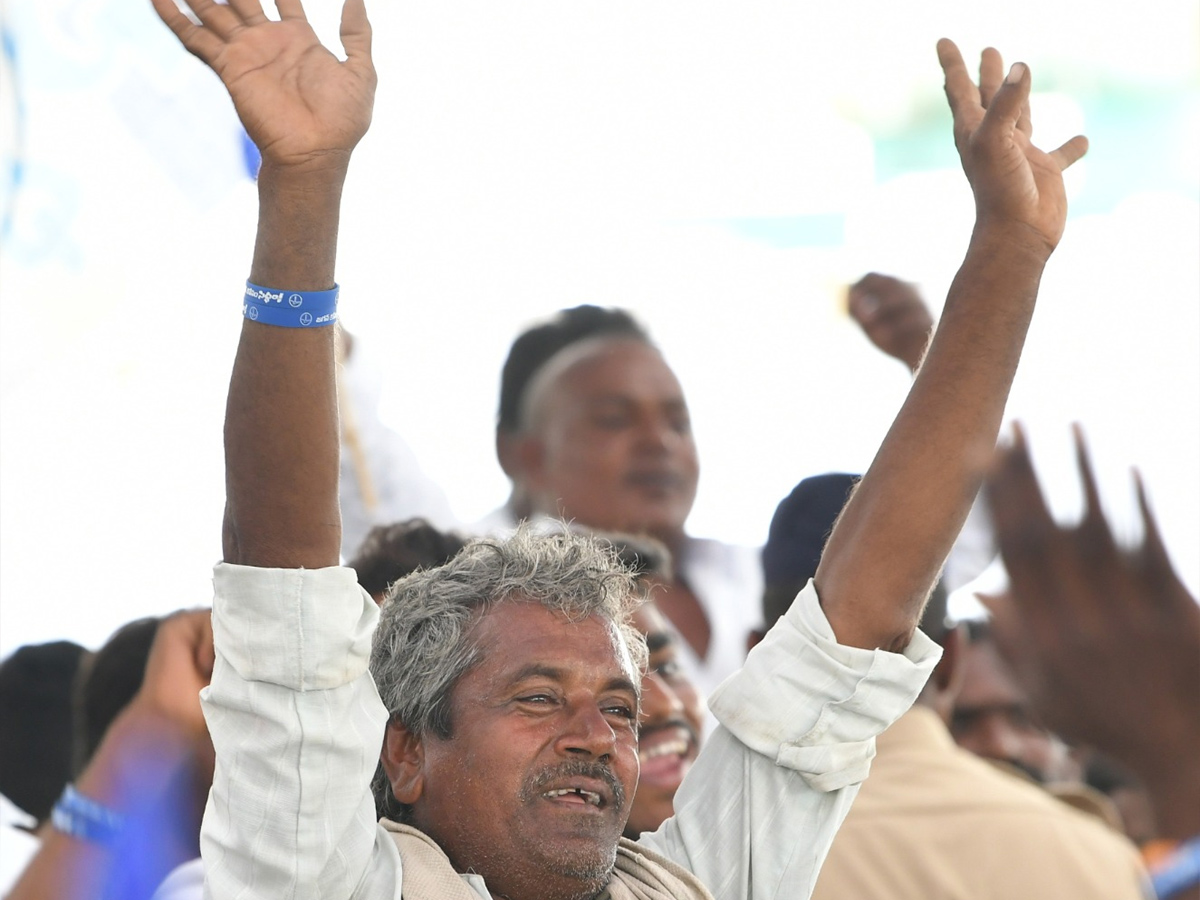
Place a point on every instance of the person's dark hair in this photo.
(642, 555)
(536, 345)
(797, 536)
(978, 630)
(778, 597)
(36, 682)
(109, 683)
(799, 529)
(1106, 775)
(389, 552)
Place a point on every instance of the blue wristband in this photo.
(291, 309)
(85, 818)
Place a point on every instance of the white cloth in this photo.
(974, 548)
(297, 725)
(727, 579)
(186, 882)
(401, 489)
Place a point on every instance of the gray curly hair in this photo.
(424, 645)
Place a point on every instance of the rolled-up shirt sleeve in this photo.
(757, 812)
(297, 726)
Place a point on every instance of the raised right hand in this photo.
(300, 105)
(892, 315)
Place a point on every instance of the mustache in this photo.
(536, 783)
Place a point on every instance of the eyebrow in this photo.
(657, 640)
(675, 404)
(541, 670)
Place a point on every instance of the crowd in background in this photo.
(1050, 753)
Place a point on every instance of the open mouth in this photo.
(575, 796)
(665, 755)
(580, 786)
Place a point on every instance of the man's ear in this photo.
(530, 453)
(947, 676)
(403, 760)
(506, 453)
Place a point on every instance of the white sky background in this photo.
(530, 156)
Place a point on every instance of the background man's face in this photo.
(992, 719)
(672, 719)
(613, 443)
(534, 785)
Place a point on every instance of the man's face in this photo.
(992, 719)
(533, 788)
(672, 718)
(611, 442)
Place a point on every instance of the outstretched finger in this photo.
(991, 74)
(196, 39)
(1153, 547)
(1024, 526)
(1025, 121)
(1093, 515)
(961, 92)
(291, 9)
(1070, 152)
(356, 31)
(1008, 624)
(250, 11)
(1154, 560)
(218, 18)
(1004, 111)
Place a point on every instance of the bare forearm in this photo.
(887, 549)
(133, 769)
(281, 430)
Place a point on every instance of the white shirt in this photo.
(394, 479)
(297, 725)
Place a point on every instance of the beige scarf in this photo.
(639, 873)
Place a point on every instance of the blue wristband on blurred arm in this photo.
(85, 818)
(291, 309)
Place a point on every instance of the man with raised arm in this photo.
(509, 678)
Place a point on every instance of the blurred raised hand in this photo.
(892, 315)
(1105, 640)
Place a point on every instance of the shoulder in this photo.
(646, 870)
(1026, 813)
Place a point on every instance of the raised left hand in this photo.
(1018, 188)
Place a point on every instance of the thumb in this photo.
(356, 32)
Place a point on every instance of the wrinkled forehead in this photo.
(515, 635)
(606, 365)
